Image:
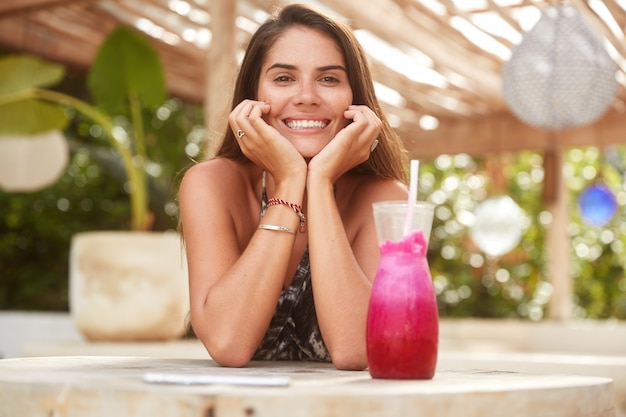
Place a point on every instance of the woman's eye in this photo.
(329, 79)
(282, 79)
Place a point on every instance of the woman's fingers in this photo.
(259, 141)
(365, 118)
(352, 144)
(243, 114)
(363, 130)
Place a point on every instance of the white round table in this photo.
(101, 386)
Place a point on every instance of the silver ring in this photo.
(374, 145)
(240, 133)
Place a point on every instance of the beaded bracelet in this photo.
(276, 228)
(295, 207)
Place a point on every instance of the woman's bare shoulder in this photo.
(214, 172)
(356, 195)
(208, 168)
(371, 188)
(213, 181)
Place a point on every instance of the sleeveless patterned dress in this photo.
(293, 333)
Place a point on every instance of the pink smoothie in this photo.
(403, 320)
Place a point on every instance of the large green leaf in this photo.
(22, 72)
(29, 117)
(126, 64)
(20, 113)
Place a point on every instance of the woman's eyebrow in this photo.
(282, 66)
(333, 67)
(292, 67)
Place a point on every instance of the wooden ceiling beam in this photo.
(617, 12)
(444, 23)
(504, 133)
(396, 28)
(417, 93)
(78, 24)
(504, 15)
(12, 7)
(125, 13)
(29, 36)
(36, 39)
(454, 11)
(600, 25)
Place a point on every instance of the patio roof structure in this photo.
(437, 63)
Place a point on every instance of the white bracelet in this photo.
(277, 228)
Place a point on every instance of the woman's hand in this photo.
(263, 144)
(351, 146)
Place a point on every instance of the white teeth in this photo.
(306, 124)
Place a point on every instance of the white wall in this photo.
(586, 337)
(18, 329)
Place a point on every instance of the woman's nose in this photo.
(307, 93)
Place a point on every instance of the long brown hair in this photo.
(388, 160)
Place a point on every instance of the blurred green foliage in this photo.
(125, 79)
(36, 228)
(469, 283)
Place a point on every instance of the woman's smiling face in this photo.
(304, 80)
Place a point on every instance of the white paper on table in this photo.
(200, 379)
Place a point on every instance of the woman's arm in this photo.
(234, 287)
(343, 270)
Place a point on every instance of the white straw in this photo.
(412, 195)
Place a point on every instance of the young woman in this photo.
(278, 227)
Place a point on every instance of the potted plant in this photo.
(124, 285)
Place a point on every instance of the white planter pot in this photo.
(127, 285)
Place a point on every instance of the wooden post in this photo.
(221, 70)
(557, 242)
